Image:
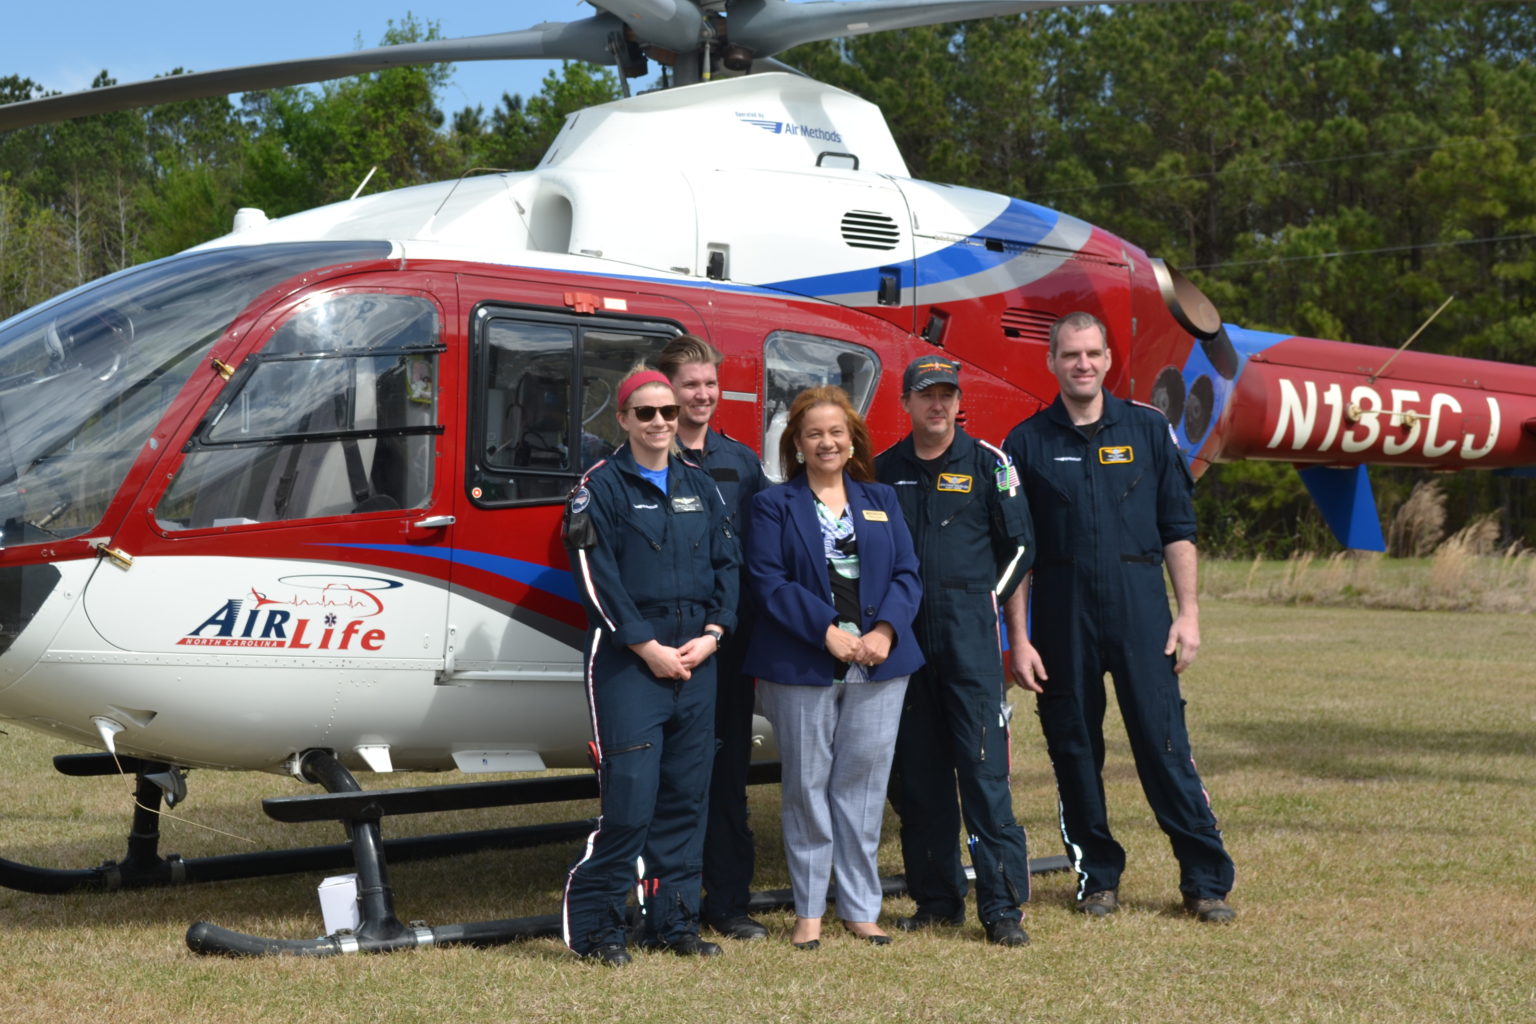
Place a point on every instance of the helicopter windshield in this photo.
(85, 378)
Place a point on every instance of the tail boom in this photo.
(1316, 402)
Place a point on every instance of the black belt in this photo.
(671, 606)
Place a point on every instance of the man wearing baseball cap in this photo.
(971, 526)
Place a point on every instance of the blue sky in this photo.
(64, 44)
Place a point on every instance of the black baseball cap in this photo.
(926, 371)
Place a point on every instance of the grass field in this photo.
(1374, 771)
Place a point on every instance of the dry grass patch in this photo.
(1462, 574)
(1372, 769)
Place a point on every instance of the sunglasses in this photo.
(645, 413)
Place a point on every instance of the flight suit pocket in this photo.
(1051, 502)
(963, 612)
(650, 525)
(1138, 517)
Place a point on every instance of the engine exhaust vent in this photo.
(1021, 324)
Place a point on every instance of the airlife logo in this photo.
(307, 613)
(789, 128)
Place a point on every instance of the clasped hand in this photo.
(676, 662)
(868, 650)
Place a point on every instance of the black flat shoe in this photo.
(808, 944)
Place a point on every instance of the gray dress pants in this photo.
(836, 744)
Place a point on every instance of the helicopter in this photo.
(289, 501)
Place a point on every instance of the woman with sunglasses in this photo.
(832, 568)
(655, 560)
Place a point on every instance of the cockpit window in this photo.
(336, 415)
(86, 377)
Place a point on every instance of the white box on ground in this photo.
(338, 903)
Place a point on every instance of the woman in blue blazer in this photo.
(832, 568)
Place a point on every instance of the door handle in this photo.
(434, 522)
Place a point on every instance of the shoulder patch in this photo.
(579, 500)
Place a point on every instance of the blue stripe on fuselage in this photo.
(1020, 224)
(541, 577)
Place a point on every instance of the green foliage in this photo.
(1333, 168)
(80, 199)
(1258, 508)
(518, 132)
(316, 146)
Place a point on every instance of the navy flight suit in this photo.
(648, 566)
(970, 525)
(1105, 504)
(729, 857)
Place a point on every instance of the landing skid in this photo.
(211, 939)
(144, 867)
(360, 812)
(379, 929)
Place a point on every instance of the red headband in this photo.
(638, 381)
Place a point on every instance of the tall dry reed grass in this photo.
(1462, 574)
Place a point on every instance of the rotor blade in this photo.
(767, 27)
(675, 25)
(585, 40)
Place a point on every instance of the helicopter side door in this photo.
(545, 362)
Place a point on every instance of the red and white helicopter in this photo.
(289, 501)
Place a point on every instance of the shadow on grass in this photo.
(1350, 750)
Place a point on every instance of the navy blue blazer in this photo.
(787, 571)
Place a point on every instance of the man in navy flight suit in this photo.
(970, 525)
(692, 365)
(1110, 496)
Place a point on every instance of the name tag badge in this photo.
(875, 515)
(1116, 454)
(957, 482)
(683, 503)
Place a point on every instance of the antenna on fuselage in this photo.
(1411, 339)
